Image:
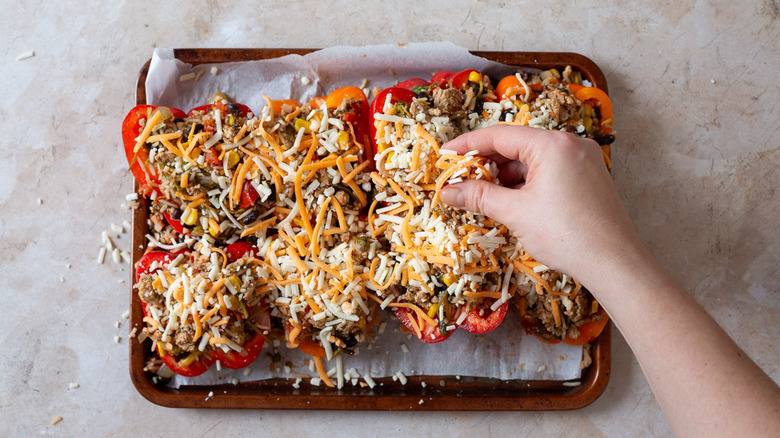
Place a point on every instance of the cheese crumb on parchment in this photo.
(26, 55)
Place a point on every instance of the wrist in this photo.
(626, 267)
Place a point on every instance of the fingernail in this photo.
(453, 196)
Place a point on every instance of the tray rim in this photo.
(452, 393)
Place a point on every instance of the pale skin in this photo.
(558, 198)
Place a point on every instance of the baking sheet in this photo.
(422, 392)
(504, 354)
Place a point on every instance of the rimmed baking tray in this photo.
(441, 392)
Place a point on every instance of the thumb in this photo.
(479, 196)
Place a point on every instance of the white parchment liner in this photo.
(505, 353)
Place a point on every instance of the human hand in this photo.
(555, 195)
(558, 199)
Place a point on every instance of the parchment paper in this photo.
(504, 353)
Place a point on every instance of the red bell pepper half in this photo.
(188, 365)
(131, 129)
(147, 175)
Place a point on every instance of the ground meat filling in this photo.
(184, 339)
(358, 247)
(578, 312)
(147, 293)
(340, 191)
(448, 100)
(237, 333)
(563, 106)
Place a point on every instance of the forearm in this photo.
(704, 383)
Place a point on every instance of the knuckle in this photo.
(482, 198)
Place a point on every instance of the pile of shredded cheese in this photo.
(307, 168)
(200, 303)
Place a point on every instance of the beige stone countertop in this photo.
(695, 91)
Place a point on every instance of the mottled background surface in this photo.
(695, 90)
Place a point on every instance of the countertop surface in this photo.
(695, 91)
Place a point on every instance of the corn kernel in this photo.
(235, 281)
(476, 78)
(160, 350)
(343, 140)
(433, 309)
(588, 109)
(588, 122)
(189, 360)
(448, 280)
(232, 159)
(191, 217)
(302, 124)
(214, 228)
(594, 307)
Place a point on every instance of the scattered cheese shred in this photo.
(321, 372)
